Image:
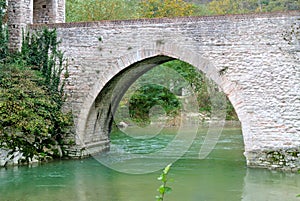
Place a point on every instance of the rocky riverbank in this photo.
(13, 158)
(7, 157)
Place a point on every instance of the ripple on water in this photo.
(222, 176)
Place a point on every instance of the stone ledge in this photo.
(167, 20)
(281, 159)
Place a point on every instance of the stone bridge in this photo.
(261, 73)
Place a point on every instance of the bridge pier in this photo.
(286, 159)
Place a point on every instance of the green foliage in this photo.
(39, 50)
(221, 6)
(230, 111)
(148, 96)
(31, 98)
(191, 75)
(165, 8)
(196, 79)
(31, 120)
(279, 5)
(92, 10)
(250, 6)
(164, 189)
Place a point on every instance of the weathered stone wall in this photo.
(48, 11)
(261, 73)
(261, 76)
(24, 12)
(43, 11)
(19, 15)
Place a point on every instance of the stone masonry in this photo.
(24, 12)
(260, 74)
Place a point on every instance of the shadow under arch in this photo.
(98, 107)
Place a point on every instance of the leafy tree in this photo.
(165, 8)
(92, 10)
(195, 78)
(31, 98)
(239, 6)
(31, 120)
(141, 99)
(279, 5)
(148, 96)
(223, 7)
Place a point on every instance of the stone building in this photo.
(24, 12)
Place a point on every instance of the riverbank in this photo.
(17, 158)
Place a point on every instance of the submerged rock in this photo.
(122, 125)
(10, 158)
(5, 156)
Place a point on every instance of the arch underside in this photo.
(99, 119)
(96, 113)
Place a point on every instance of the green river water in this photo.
(222, 176)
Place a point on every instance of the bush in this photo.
(31, 98)
(31, 120)
(148, 96)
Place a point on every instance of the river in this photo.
(222, 176)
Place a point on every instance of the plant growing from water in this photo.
(298, 196)
(164, 189)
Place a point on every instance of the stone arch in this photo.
(129, 64)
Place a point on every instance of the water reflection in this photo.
(193, 180)
(223, 176)
(264, 185)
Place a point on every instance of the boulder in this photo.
(122, 125)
